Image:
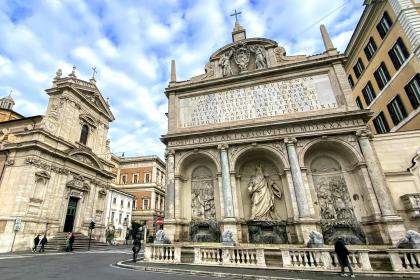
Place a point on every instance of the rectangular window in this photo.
(358, 68)
(135, 178)
(122, 203)
(412, 90)
(384, 25)
(134, 204)
(359, 103)
(129, 204)
(119, 218)
(112, 216)
(114, 201)
(124, 179)
(351, 82)
(398, 54)
(370, 49)
(382, 76)
(368, 93)
(147, 177)
(145, 204)
(396, 110)
(381, 124)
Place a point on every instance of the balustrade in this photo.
(406, 260)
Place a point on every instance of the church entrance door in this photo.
(71, 214)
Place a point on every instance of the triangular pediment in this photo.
(94, 98)
(85, 156)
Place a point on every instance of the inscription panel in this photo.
(258, 101)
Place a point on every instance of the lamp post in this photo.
(17, 227)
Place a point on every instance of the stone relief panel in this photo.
(271, 99)
(202, 195)
(336, 210)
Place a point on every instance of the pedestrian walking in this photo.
(127, 236)
(136, 248)
(43, 242)
(36, 242)
(342, 254)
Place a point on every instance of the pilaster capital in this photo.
(223, 147)
(169, 152)
(364, 133)
(290, 141)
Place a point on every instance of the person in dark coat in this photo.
(36, 242)
(342, 254)
(127, 236)
(71, 242)
(136, 248)
(43, 242)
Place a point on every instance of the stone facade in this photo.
(271, 148)
(56, 169)
(143, 177)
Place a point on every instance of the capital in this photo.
(169, 152)
(223, 147)
(364, 133)
(290, 141)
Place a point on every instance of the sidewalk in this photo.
(250, 273)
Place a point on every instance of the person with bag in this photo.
(342, 255)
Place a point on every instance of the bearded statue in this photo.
(263, 191)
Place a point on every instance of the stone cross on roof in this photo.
(235, 14)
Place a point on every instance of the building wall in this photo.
(399, 78)
(119, 203)
(153, 191)
(396, 152)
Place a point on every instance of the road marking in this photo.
(14, 257)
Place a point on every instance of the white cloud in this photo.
(132, 45)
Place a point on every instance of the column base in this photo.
(385, 230)
(232, 225)
(175, 230)
(303, 227)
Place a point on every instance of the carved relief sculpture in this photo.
(224, 62)
(263, 191)
(241, 56)
(260, 59)
(202, 194)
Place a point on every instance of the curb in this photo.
(253, 277)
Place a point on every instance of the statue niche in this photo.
(264, 225)
(337, 214)
(203, 227)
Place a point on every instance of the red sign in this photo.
(159, 221)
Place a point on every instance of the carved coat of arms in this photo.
(241, 56)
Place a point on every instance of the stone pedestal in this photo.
(234, 227)
(303, 227)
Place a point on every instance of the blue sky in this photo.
(132, 42)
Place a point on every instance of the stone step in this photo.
(81, 243)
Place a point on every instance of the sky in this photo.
(131, 44)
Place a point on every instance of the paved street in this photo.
(99, 265)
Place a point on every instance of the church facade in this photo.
(56, 169)
(272, 147)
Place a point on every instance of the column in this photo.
(226, 187)
(297, 179)
(375, 173)
(170, 184)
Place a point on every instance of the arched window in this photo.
(84, 134)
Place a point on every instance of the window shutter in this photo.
(378, 80)
(388, 19)
(373, 43)
(385, 72)
(377, 127)
(381, 31)
(401, 105)
(394, 59)
(392, 113)
(367, 53)
(403, 48)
